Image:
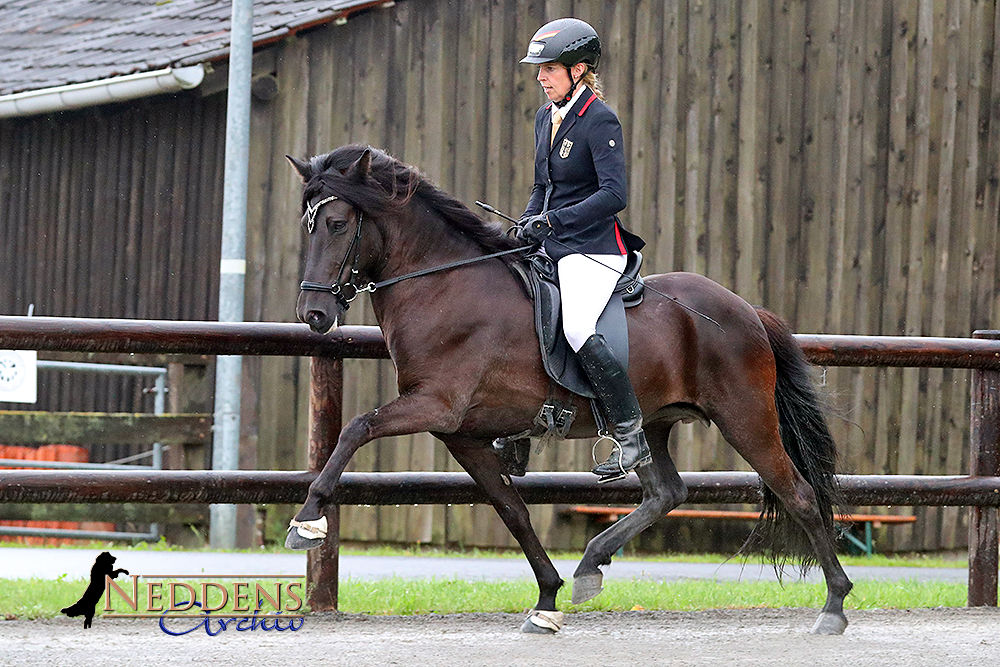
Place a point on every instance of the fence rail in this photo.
(435, 488)
(980, 490)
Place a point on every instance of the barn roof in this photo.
(48, 43)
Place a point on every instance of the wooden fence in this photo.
(836, 162)
(981, 490)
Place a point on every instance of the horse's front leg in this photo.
(411, 413)
(485, 467)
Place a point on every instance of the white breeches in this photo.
(585, 287)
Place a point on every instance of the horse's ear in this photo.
(359, 170)
(304, 168)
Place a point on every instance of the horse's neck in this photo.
(421, 239)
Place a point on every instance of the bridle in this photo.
(343, 292)
(346, 292)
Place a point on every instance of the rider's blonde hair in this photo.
(592, 81)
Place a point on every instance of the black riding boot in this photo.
(617, 398)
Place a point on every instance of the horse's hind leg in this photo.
(485, 467)
(662, 490)
(755, 435)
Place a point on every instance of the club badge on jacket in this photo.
(564, 150)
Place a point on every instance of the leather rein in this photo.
(346, 292)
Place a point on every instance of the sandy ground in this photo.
(915, 638)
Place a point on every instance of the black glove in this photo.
(533, 230)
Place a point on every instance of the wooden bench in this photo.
(612, 514)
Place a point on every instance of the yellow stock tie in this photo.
(556, 122)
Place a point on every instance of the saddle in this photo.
(541, 282)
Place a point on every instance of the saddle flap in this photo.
(560, 361)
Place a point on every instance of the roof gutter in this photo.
(117, 89)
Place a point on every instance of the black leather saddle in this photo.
(541, 282)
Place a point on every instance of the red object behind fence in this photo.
(66, 453)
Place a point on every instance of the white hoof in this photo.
(543, 622)
(310, 530)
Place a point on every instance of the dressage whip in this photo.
(503, 215)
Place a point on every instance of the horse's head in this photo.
(335, 229)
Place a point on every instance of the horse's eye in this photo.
(336, 225)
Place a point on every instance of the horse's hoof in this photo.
(542, 622)
(830, 623)
(295, 541)
(306, 534)
(587, 587)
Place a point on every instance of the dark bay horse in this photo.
(469, 370)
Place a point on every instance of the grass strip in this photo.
(43, 598)
(433, 551)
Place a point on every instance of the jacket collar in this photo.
(571, 115)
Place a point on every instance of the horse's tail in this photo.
(807, 440)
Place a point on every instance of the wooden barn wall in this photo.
(834, 161)
(111, 212)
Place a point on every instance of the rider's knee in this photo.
(577, 336)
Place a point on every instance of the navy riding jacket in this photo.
(580, 180)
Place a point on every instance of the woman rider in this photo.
(579, 188)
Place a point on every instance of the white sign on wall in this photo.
(18, 376)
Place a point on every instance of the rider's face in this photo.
(555, 81)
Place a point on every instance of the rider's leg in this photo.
(585, 288)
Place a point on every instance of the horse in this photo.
(469, 370)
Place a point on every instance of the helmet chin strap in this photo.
(569, 95)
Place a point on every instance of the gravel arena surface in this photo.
(914, 638)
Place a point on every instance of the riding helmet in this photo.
(565, 41)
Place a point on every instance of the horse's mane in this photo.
(392, 184)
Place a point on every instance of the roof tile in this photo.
(45, 43)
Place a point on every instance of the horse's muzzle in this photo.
(319, 322)
(317, 315)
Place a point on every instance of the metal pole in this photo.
(984, 460)
(159, 408)
(232, 269)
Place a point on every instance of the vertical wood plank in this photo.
(984, 533)
(667, 226)
(325, 405)
(747, 284)
(697, 111)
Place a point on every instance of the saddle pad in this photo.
(560, 361)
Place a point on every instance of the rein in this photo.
(338, 289)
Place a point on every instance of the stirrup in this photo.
(615, 447)
(622, 472)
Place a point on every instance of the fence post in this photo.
(326, 387)
(984, 460)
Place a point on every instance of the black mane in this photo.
(393, 184)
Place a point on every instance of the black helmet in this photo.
(566, 41)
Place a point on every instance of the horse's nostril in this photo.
(315, 316)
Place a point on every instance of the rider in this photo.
(579, 188)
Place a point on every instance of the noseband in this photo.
(343, 292)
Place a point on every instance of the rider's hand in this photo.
(533, 229)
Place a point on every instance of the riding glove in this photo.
(533, 230)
